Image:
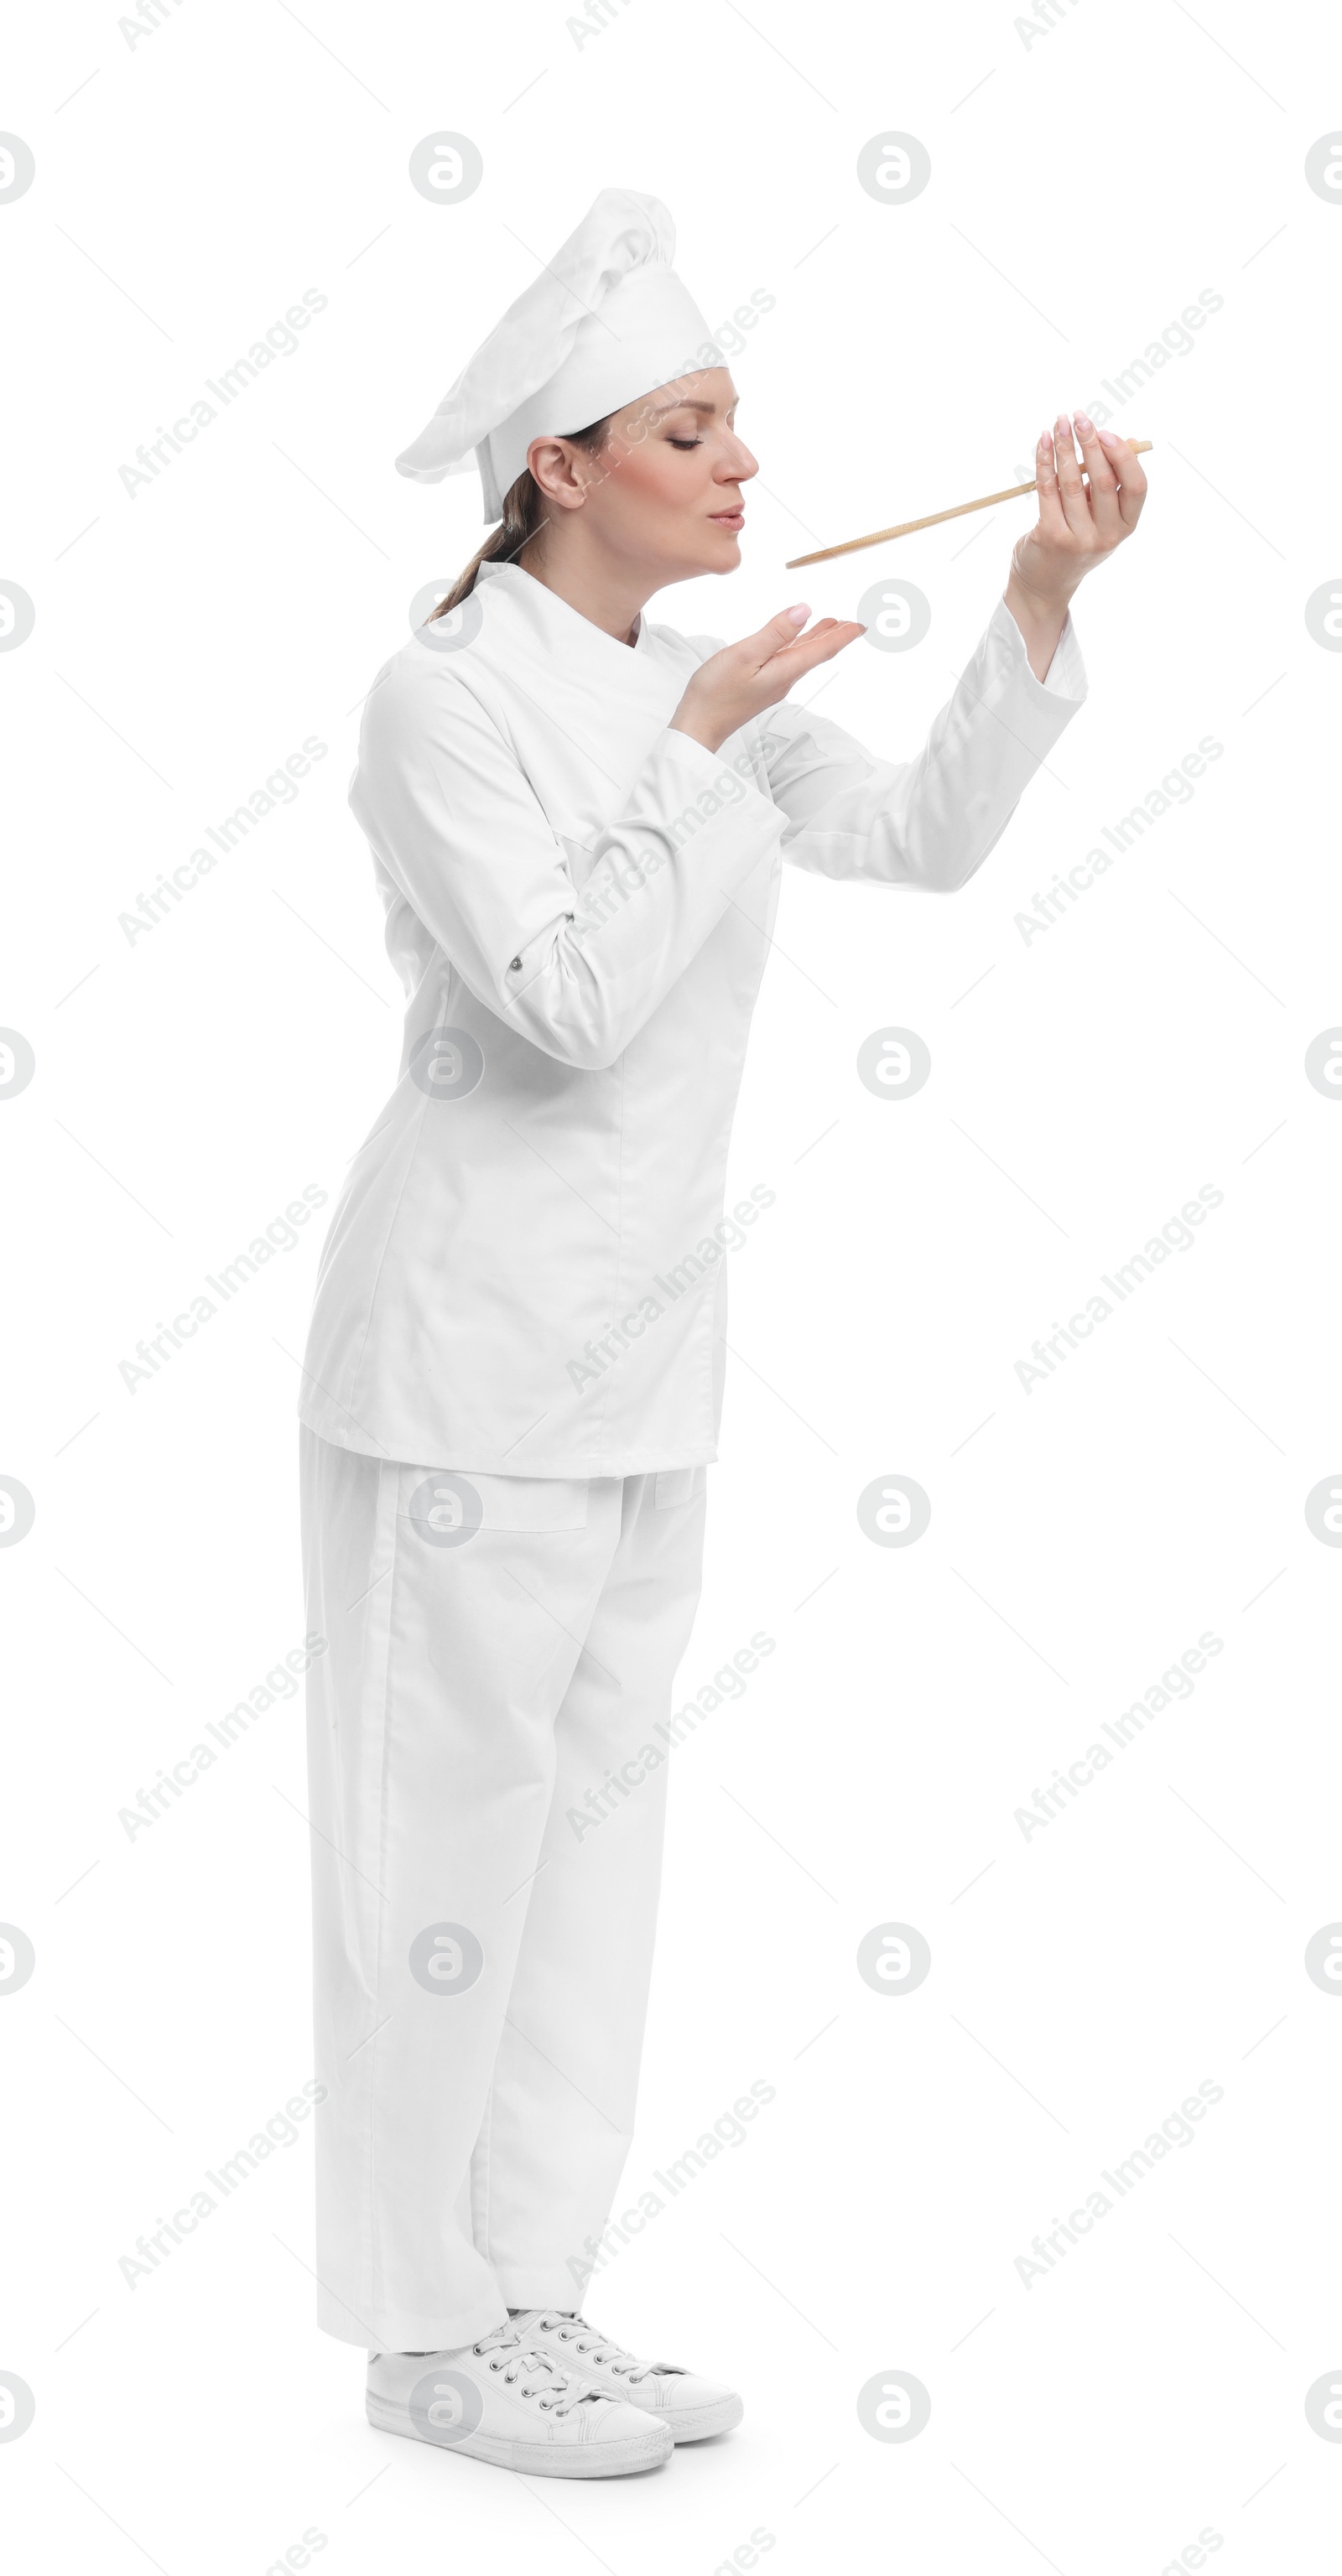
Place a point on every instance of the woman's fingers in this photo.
(780, 631)
(820, 627)
(1080, 520)
(1103, 481)
(1072, 494)
(1051, 521)
(1071, 514)
(797, 656)
(1131, 480)
(825, 639)
(826, 628)
(832, 636)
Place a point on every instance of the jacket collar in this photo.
(556, 626)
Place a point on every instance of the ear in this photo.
(552, 465)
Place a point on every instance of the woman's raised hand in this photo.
(1079, 523)
(743, 679)
(1078, 526)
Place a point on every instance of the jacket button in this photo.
(514, 965)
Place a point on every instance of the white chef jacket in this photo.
(522, 1273)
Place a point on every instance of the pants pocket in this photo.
(447, 1506)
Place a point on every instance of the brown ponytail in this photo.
(524, 515)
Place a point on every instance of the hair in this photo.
(523, 518)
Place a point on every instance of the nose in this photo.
(738, 465)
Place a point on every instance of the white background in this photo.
(1086, 186)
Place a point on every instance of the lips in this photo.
(732, 519)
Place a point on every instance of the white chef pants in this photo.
(487, 1833)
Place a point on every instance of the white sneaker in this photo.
(693, 2408)
(502, 2400)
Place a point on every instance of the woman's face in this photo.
(664, 489)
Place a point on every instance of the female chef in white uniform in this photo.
(514, 1375)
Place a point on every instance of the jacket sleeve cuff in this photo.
(703, 765)
(1066, 674)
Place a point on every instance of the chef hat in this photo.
(606, 320)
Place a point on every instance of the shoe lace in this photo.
(533, 2374)
(597, 2347)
